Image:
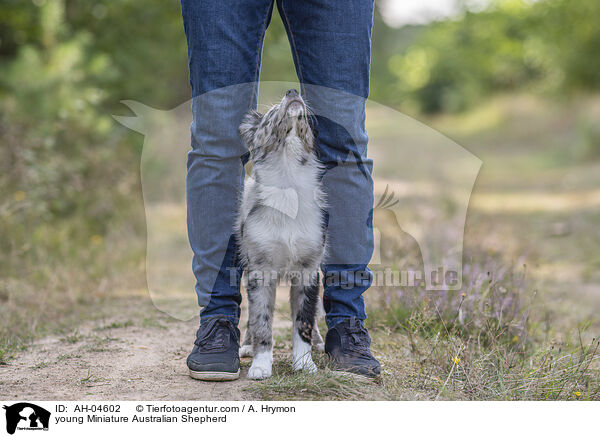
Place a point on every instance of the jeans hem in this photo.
(204, 318)
(332, 321)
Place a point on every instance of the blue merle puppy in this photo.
(280, 230)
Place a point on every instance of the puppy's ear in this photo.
(312, 123)
(249, 126)
(311, 134)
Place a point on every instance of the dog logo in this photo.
(423, 181)
(26, 416)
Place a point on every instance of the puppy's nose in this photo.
(291, 93)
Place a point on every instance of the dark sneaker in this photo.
(215, 354)
(348, 346)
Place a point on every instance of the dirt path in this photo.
(137, 356)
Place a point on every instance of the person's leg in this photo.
(224, 47)
(331, 45)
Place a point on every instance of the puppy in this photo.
(280, 230)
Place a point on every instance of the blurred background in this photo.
(515, 82)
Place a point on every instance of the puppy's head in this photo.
(264, 134)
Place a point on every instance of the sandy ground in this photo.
(128, 358)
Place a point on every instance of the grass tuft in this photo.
(288, 384)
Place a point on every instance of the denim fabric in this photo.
(330, 41)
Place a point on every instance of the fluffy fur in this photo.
(280, 230)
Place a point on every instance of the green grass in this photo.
(448, 366)
(115, 325)
(91, 379)
(72, 338)
(101, 344)
(65, 357)
(150, 322)
(7, 352)
(287, 384)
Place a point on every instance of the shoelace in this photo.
(215, 335)
(359, 338)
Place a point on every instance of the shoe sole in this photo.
(215, 376)
(356, 376)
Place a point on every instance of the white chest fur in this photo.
(282, 206)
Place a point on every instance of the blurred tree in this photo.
(59, 149)
(547, 45)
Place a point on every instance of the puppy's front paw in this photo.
(257, 371)
(261, 366)
(247, 351)
(319, 346)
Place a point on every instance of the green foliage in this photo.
(546, 46)
(57, 138)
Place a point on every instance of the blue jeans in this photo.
(331, 47)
